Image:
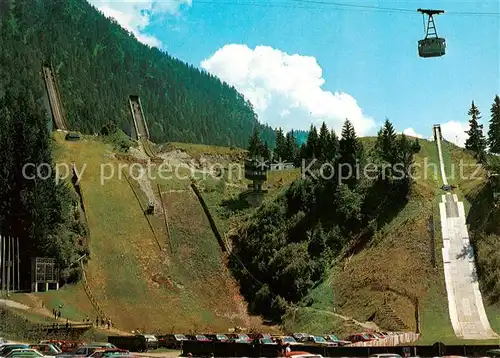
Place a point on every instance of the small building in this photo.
(45, 271)
(72, 136)
(281, 166)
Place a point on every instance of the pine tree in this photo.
(416, 146)
(476, 141)
(254, 143)
(333, 146)
(312, 142)
(265, 152)
(292, 147)
(386, 143)
(323, 140)
(494, 130)
(303, 152)
(350, 151)
(280, 151)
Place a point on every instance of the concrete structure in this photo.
(465, 303)
(54, 98)
(140, 124)
(44, 270)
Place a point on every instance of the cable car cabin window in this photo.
(432, 47)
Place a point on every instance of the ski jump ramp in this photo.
(465, 303)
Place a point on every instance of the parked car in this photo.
(83, 351)
(24, 353)
(217, 337)
(152, 342)
(64, 345)
(265, 341)
(100, 353)
(172, 341)
(239, 338)
(46, 349)
(360, 337)
(385, 355)
(198, 337)
(318, 340)
(260, 335)
(333, 338)
(297, 354)
(7, 348)
(493, 352)
(301, 337)
(290, 340)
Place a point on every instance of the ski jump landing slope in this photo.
(465, 303)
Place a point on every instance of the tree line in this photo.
(477, 142)
(289, 148)
(34, 207)
(98, 65)
(288, 244)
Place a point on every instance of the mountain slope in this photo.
(140, 277)
(98, 65)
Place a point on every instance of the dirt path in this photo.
(367, 325)
(43, 311)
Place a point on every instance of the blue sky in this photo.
(303, 62)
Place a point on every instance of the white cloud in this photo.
(411, 132)
(454, 132)
(135, 15)
(284, 89)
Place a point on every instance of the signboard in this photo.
(256, 169)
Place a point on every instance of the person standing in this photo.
(97, 321)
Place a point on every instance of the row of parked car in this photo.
(62, 349)
(174, 341)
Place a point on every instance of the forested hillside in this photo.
(42, 213)
(99, 64)
(288, 245)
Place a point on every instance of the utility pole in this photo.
(18, 272)
(13, 265)
(1, 266)
(8, 267)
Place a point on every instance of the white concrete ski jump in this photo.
(465, 303)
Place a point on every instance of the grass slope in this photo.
(136, 283)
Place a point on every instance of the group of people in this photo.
(283, 348)
(56, 313)
(103, 321)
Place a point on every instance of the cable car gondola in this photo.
(431, 45)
